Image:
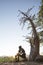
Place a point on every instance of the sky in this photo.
(11, 33)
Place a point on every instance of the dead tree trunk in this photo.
(35, 45)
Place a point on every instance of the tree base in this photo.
(39, 58)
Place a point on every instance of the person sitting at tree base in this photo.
(21, 53)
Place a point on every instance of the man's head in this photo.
(20, 47)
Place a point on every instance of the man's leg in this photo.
(18, 57)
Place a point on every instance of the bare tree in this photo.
(34, 39)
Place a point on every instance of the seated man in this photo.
(21, 53)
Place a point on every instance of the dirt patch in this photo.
(21, 63)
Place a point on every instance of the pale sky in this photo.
(11, 33)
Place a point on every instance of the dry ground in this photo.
(21, 63)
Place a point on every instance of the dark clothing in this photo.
(22, 53)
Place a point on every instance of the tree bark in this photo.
(34, 46)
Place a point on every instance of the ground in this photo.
(21, 63)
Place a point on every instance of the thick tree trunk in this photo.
(34, 51)
(34, 46)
